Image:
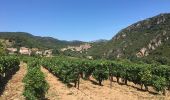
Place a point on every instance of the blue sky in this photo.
(84, 20)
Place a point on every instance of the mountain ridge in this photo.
(29, 40)
(147, 38)
(150, 37)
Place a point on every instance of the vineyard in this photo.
(8, 67)
(71, 71)
(35, 84)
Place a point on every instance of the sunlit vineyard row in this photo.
(71, 70)
(8, 66)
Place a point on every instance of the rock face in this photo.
(143, 52)
(161, 19)
(154, 43)
(140, 39)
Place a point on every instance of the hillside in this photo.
(70, 48)
(146, 38)
(97, 49)
(28, 40)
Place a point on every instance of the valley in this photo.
(134, 65)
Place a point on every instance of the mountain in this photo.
(99, 41)
(28, 40)
(145, 39)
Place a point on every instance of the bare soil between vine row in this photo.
(15, 87)
(89, 90)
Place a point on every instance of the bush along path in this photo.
(35, 85)
(14, 88)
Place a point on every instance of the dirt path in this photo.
(90, 91)
(117, 92)
(59, 91)
(14, 88)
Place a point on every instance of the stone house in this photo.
(25, 51)
(11, 50)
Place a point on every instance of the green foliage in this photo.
(101, 72)
(28, 40)
(162, 71)
(133, 38)
(8, 66)
(34, 82)
(88, 68)
(69, 70)
(145, 75)
(142, 74)
(2, 50)
(159, 83)
(66, 69)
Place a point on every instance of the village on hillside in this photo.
(81, 48)
(25, 50)
(11, 50)
(29, 51)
